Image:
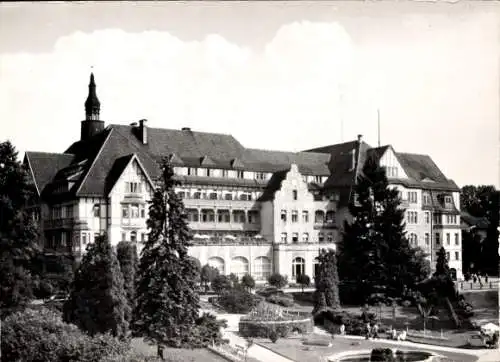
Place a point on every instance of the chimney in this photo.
(360, 138)
(143, 131)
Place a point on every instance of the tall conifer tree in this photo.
(18, 234)
(97, 302)
(167, 304)
(127, 257)
(327, 280)
(376, 240)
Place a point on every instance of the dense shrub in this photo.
(262, 329)
(248, 282)
(282, 300)
(237, 301)
(331, 319)
(221, 283)
(382, 355)
(208, 330)
(41, 335)
(277, 280)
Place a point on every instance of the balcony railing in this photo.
(62, 223)
(217, 240)
(133, 222)
(196, 225)
(325, 225)
(220, 203)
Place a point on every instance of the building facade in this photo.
(251, 211)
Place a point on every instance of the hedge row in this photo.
(40, 335)
(263, 329)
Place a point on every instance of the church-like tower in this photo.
(92, 124)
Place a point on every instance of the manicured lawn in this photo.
(175, 354)
(294, 349)
(411, 319)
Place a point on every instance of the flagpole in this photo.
(378, 125)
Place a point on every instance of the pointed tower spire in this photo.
(92, 104)
(92, 124)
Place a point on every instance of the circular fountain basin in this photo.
(364, 356)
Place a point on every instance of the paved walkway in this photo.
(263, 354)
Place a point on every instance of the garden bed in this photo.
(267, 318)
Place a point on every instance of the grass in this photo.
(408, 317)
(294, 348)
(177, 354)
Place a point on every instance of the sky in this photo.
(276, 75)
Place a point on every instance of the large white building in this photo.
(251, 211)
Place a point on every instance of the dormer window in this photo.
(448, 200)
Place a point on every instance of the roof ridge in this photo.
(50, 153)
(173, 129)
(280, 151)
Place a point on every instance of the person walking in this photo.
(375, 331)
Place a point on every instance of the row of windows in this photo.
(133, 187)
(203, 195)
(320, 216)
(426, 198)
(133, 211)
(223, 216)
(261, 268)
(457, 255)
(305, 237)
(413, 239)
(61, 212)
(133, 236)
(412, 218)
(239, 174)
(391, 171)
(448, 239)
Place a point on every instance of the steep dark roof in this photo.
(309, 163)
(273, 185)
(477, 222)
(45, 166)
(422, 167)
(116, 171)
(342, 174)
(94, 165)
